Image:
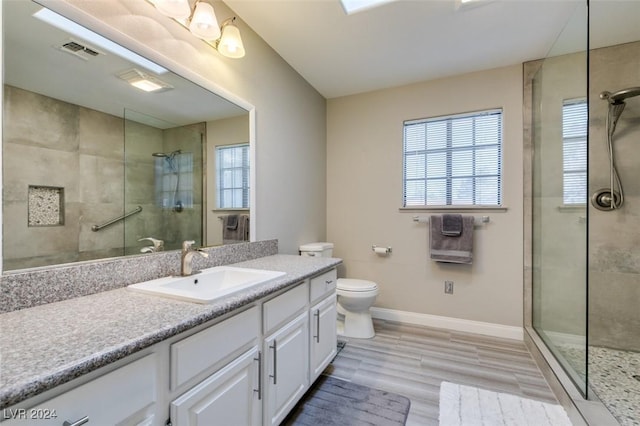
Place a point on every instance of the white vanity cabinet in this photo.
(323, 344)
(231, 394)
(228, 397)
(249, 368)
(286, 352)
(323, 312)
(125, 396)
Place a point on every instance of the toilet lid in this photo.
(351, 284)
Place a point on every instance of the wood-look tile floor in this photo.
(413, 361)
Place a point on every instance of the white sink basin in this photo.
(208, 285)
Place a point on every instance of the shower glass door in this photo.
(559, 219)
(163, 176)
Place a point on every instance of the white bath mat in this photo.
(468, 406)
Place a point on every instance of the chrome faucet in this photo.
(186, 267)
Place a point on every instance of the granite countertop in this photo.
(48, 345)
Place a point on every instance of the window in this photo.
(454, 160)
(232, 176)
(574, 152)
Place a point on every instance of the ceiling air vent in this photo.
(78, 49)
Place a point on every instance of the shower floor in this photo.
(614, 376)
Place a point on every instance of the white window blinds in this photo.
(574, 151)
(232, 176)
(453, 160)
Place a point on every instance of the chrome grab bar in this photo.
(96, 228)
(79, 422)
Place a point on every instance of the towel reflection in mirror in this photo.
(235, 228)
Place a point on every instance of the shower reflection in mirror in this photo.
(174, 180)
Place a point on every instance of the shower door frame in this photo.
(581, 409)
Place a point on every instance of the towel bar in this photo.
(478, 220)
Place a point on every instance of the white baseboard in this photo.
(457, 324)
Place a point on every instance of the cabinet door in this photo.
(229, 397)
(286, 368)
(323, 335)
(125, 396)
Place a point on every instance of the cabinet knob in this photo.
(79, 422)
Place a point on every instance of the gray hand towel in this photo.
(451, 225)
(239, 233)
(232, 221)
(451, 249)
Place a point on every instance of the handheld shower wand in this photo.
(612, 198)
(171, 161)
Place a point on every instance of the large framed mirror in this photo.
(106, 153)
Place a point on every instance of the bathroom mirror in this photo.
(94, 167)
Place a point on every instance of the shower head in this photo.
(165, 155)
(619, 96)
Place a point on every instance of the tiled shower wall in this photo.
(614, 236)
(48, 142)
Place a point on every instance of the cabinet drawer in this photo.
(323, 284)
(197, 353)
(283, 307)
(123, 396)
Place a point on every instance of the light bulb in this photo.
(204, 24)
(230, 44)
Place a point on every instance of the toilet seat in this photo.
(356, 285)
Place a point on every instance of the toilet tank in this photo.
(317, 249)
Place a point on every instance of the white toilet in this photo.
(355, 297)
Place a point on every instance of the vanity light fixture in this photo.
(144, 81)
(230, 43)
(202, 23)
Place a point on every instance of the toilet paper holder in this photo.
(380, 250)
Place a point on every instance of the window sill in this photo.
(572, 208)
(453, 208)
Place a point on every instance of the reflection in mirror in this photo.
(163, 175)
(104, 154)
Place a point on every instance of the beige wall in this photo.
(364, 194)
(290, 115)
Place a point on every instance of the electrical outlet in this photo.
(448, 287)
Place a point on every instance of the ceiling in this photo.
(407, 41)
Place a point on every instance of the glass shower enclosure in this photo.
(582, 135)
(164, 166)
